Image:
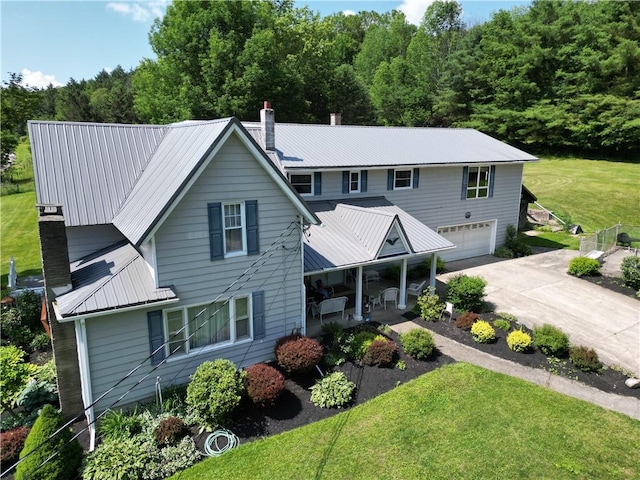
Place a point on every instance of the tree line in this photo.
(556, 75)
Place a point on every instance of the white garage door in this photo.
(471, 239)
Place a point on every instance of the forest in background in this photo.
(554, 76)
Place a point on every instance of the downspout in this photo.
(85, 379)
(303, 290)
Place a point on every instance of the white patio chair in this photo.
(416, 288)
(390, 295)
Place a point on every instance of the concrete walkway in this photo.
(627, 405)
(537, 290)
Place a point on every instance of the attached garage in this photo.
(471, 239)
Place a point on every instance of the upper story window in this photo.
(233, 229)
(402, 179)
(192, 328)
(354, 182)
(303, 183)
(234, 232)
(478, 179)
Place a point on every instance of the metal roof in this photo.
(115, 277)
(89, 168)
(184, 148)
(352, 233)
(344, 146)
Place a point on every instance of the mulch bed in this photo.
(612, 283)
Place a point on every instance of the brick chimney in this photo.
(57, 280)
(268, 125)
(336, 119)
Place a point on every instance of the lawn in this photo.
(596, 193)
(460, 421)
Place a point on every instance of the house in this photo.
(165, 246)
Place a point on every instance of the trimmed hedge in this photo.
(418, 343)
(551, 340)
(381, 353)
(466, 292)
(264, 383)
(584, 267)
(297, 353)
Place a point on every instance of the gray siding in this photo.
(83, 241)
(437, 201)
(118, 343)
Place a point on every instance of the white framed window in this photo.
(203, 327)
(402, 179)
(235, 234)
(302, 182)
(354, 181)
(478, 182)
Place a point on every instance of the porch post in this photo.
(403, 285)
(432, 273)
(358, 314)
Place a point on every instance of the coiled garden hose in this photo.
(212, 446)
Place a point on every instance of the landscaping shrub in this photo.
(40, 341)
(630, 268)
(333, 391)
(263, 383)
(440, 264)
(215, 390)
(515, 245)
(11, 444)
(519, 341)
(466, 293)
(551, 340)
(115, 424)
(360, 342)
(14, 375)
(418, 343)
(297, 353)
(503, 252)
(584, 358)
(14, 332)
(466, 320)
(583, 267)
(124, 459)
(38, 447)
(36, 394)
(381, 353)
(502, 324)
(507, 317)
(483, 332)
(29, 305)
(170, 431)
(428, 305)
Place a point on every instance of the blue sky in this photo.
(53, 41)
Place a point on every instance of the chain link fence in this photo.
(611, 239)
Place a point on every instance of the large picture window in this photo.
(190, 329)
(478, 182)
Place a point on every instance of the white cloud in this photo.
(140, 11)
(38, 79)
(414, 10)
(346, 13)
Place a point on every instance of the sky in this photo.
(52, 41)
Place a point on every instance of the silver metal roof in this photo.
(116, 277)
(325, 146)
(353, 232)
(182, 151)
(89, 168)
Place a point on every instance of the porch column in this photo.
(403, 285)
(358, 314)
(432, 273)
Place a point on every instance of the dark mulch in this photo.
(294, 408)
(608, 380)
(612, 283)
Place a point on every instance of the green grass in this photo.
(460, 421)
(19, 235)
(596, 193)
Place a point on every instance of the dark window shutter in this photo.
(363, 181)
(216, 244)
(156, 336)
(258, 315)
(317, 183)
(345, 182)
(251, 215)
(492, 178)
(416, 177)
(465, 182)
(390, 179)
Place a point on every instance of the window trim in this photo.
(477, 188)
(395, 178)
(358, 181)
(243, 227)
(311, 181)
(191, 351)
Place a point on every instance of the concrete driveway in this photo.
(537, 290)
